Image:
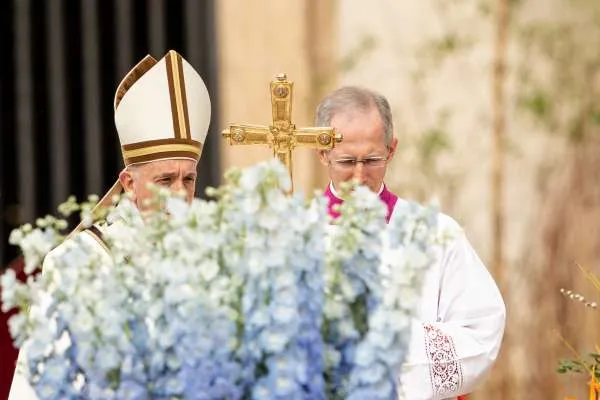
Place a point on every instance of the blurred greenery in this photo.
(358, 53)
(432, 143)
(435, 51)
(559, 73)
(581, 366)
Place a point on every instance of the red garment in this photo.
(9, 353)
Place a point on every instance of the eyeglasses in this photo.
(350, 163)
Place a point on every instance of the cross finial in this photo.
(282, 135)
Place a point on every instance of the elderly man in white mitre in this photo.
(162, 115)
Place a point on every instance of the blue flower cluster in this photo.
(281, 266)
(374, 274)
(250, 295)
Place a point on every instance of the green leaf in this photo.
(538, 103)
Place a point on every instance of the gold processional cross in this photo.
(282, 136)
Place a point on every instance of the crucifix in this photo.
(282, 136)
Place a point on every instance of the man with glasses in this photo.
(461, 315)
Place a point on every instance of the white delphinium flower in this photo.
(35, 244)
(8, 282)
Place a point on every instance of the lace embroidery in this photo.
(445, 369)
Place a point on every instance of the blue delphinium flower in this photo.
(282, 294)
(367, 310)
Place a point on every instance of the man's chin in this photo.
(372, 187)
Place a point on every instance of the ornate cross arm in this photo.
(282, 136)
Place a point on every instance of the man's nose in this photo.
(177, 186)
(359, 172)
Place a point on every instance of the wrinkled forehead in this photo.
(359, 128)
(353, 112)
(183, 166)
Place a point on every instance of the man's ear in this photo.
(126, 180)
(392, 148)
(323, 157)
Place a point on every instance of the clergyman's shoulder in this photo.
(444, 221)
(88, 240)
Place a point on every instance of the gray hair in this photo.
(134, 169)
(355, 98)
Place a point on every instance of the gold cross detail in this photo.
(282, 136)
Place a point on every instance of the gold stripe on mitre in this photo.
(177, 94)
(96, 234)
(132, 76)
(105, 202)
(161, 149)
